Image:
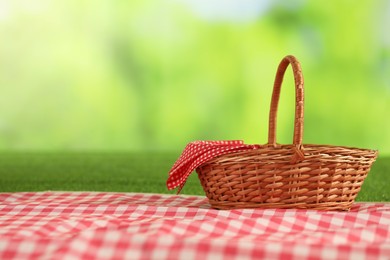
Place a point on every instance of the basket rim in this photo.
(309, 145)
(368, 154)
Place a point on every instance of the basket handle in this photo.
(299, 106)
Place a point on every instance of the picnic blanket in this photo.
(97, 225)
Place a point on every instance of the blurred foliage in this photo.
(158, 74)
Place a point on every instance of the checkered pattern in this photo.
(69, 225)
(198, 152)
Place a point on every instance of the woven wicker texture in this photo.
(287, 176)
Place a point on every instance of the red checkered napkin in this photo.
(198, 152)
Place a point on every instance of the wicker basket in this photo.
(287, 176)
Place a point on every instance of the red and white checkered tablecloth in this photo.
(88, 225)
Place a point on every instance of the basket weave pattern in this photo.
(287, 176)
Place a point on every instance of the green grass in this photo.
(126, 172)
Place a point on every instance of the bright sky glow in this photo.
(228, 10)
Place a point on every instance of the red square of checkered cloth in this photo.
(198, 152)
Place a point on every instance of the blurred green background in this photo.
(155, 75)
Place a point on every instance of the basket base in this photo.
(341, 206)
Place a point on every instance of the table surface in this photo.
(104, 225)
